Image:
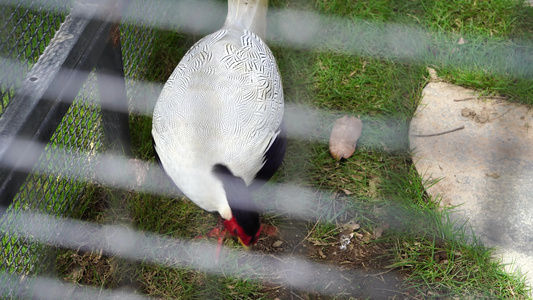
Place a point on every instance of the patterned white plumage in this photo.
(223, 104)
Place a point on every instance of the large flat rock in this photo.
(485, 168)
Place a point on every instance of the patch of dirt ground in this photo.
(362, 263)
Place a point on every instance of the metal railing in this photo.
(63, 86)
(73, 71)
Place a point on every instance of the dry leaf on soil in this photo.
(344, 135)
(351, 226)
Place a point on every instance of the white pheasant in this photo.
(217, 125)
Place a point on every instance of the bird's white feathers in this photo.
(223, 104)
(249, 14)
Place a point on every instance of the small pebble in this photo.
(345, 240)
(277, 244)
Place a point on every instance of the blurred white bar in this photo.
(45, 288)
(303, 122)
(150, 248)
(146, 177)
(313, 31)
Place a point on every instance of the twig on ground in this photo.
(394, 291)
(381, 273)
(307, 236)
(481, 97)
(440, 133)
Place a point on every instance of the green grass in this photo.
(496, 58)
(380, 178)
(443, 256)
(52, 194)
(5, 99)
(188, 284)
(23, 38)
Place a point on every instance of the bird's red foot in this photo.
(269, 230)
(213, 233)
(219, 232)
(216, 232)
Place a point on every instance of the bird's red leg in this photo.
(215, 232)
(222, 234)
(219, 245)
(219, 232)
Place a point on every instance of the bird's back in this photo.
(223, 104)
(224, 98)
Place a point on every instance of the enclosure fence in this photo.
(53, 42)
(72, 71)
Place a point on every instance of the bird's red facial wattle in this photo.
(235, 229)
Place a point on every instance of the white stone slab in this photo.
(486, 168)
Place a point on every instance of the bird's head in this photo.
(244, 237)
(244, 222)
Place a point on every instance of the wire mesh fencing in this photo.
(25, 32)
(37, 222)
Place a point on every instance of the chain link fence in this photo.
(25, 32)
(53, 190)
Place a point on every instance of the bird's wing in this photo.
(223, 104)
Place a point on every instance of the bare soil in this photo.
(363, 264)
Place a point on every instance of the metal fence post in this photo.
(113, 97)
(49, 89)
(112, 88)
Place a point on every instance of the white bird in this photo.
(217, 125)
